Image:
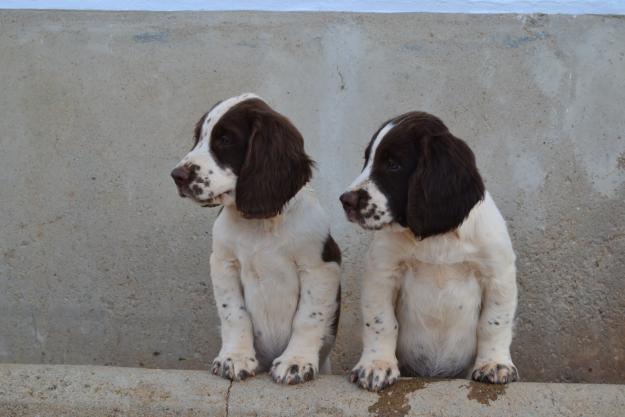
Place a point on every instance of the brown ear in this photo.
(276, 167)
(444, 188)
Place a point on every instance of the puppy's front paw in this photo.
(235, 366)
(374, 375)
(293, 369)
(495, 373)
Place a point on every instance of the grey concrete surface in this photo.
(102, 263)
(62, 390)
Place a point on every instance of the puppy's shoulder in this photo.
(308, 227)
(486, 227)
(306, 217)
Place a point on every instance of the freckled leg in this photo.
(493, 363)
(312, 323)
(377, 367)
(237, 357)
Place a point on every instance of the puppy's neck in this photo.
(270, 223)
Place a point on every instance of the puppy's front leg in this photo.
(493, 363)
(316, 314)
(377, 367)
(237, 357)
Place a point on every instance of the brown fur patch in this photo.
(270, 161)
(331, 251)
(437, 182)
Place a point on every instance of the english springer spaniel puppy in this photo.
(439, 292)
(274, 265)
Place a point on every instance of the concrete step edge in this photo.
(73, 390)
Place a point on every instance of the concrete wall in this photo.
(102, 263)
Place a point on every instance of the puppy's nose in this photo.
(181, 175)
(350, 200)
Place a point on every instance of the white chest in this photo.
(271, 286)
(438, 310)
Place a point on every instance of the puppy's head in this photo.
(246, 154)
(416, 174)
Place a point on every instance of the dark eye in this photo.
(391, 165)
(225, 141)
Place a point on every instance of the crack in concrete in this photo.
(341, 77)
(228, 398)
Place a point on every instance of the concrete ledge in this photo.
(60, 390)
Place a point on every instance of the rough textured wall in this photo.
(101, 262)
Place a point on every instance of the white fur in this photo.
(273, 269)
(441, 304)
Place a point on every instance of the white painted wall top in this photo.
(378, 6)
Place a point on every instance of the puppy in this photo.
(439, 292)
(274, 265)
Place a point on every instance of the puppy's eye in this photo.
(392, 165)
(225, 141)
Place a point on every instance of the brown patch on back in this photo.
(485, 393)
(331, 251)
(393, 401)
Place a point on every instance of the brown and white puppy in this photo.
(274, 266)
(439, 293)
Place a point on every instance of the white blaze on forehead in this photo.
(214, 116)
(364, 175)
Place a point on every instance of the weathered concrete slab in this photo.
(58, 391)
(334, 396)
(102, 263)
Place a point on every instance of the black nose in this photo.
(350, 200)
(181, 175)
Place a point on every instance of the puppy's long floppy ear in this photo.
(276, 166)
(444, 188)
